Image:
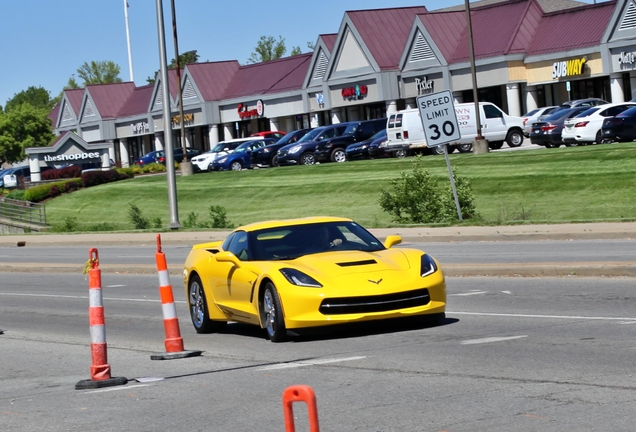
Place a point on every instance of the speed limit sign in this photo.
(439, 119)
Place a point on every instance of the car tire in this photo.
(551, 145)
(465, 148)
(495, 145)
(199, 309)
(236, 166)
(273, 162)
(272, 314)
(438, 150)
(307, 159)
(401, 153)
(338, 155)
(514, 138)
(574, 144)
(599, 138)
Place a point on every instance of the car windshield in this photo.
(587, 112)
(531, 113)
(219, 147)
(293, 241)
(351, 129)
(311, 135)
(630, 112)
(290, 137)
(378, 135)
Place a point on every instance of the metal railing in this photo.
(23, 211)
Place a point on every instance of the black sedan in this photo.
(621, 128)
(548, 131)
(267, 156)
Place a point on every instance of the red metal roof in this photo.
(512, 33)
(385, 32)
(54, 113)
(212, 78)
(138, 102)
(110, 98)
(284, 74)
(75, 97)
(572, 29)
(329, 40)
(446, 29)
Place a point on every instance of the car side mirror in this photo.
(392, 240)
(227, 257)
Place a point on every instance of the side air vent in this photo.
(357, 263)
(629, 19)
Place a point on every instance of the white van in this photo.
(405, 127)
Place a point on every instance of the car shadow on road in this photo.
(343, 331)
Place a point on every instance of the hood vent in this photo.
(357, 263)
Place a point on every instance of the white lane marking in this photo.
(542, 316)
(114, 286)
(135, 256)
(85, 297)
(506, 292)
(468, 293)
(308, 363)
(491, 339)
(118, 388)
(628, 322)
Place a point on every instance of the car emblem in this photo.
(375, 282)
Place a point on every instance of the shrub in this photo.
(16, 194)
(138, 220)
(464, 196)
(72, 171)
(219, 219)
(54, 191)
(94, 178)
(50, 190)
(103, 226)
(70, 224)
(157, 222)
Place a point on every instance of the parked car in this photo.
(310, 272)
(148, 158)
(178, 155)
(203, 161)
(588, 102)
(533, 116)
(302, 151)
(267, 156)
(585, 128)
(269, 134)
(333, 149)
(547, 132)
(621, 128)
(17, 173)
(374, 147)
(240, 157)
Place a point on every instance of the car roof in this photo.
(240, 139)
(287, 222)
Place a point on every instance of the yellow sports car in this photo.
(301, 273)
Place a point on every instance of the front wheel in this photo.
(273, 161)
(401, 153)
(338, 155)
(465, 148)
(495, 145)
(236, 166)
(514, 138)
(438, 150)
(551, 145)
(199, 309)
(272, 314)
(307, 159)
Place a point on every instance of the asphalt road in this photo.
(522, 354)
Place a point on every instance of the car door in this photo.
(493, 125)
(235, 285)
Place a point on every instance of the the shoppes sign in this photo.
(71, 157)
(357, 92)
(567, 68)
(244, 112)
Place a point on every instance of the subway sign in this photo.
(568, 68)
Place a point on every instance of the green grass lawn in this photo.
(591, 183)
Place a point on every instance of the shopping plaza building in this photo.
(528, 54)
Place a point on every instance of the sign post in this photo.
(439, 121)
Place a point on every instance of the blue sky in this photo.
(46, 41)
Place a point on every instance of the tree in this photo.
(296, 50)
(97, 72)
(21, 127)
(185, 58)
(37, 97)
(268, 49)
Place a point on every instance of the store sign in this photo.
(187, 118)
(567, 68)
(140, 127)
(71, 157)
(353, 93)
(424, 86)
(626, 59)
(244, 112)
(320, 100)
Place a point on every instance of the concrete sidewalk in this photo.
(624, 230)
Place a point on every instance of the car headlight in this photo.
(295, 149)
(266, 150)
(299, 278)
(428, 265)
(222, 160)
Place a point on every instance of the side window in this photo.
(226, 243)
(238, 245)
(492, 112)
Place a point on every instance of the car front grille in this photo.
(374, 303)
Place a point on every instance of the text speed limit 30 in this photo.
(439, 119)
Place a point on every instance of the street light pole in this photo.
(167, 124)
(480, 145)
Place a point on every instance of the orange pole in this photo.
(100, 369)
(174, 341)
(300, 393)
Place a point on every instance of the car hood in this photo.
(342, 263)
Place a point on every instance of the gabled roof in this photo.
(446, 29)
(329, 40)
(546, 5)
(517, 21)
(572, 29)
(138, 102)
(110, 98)
(385, 31)
(212, 78)
(279, 75)
(75, 97)
(55, 112)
